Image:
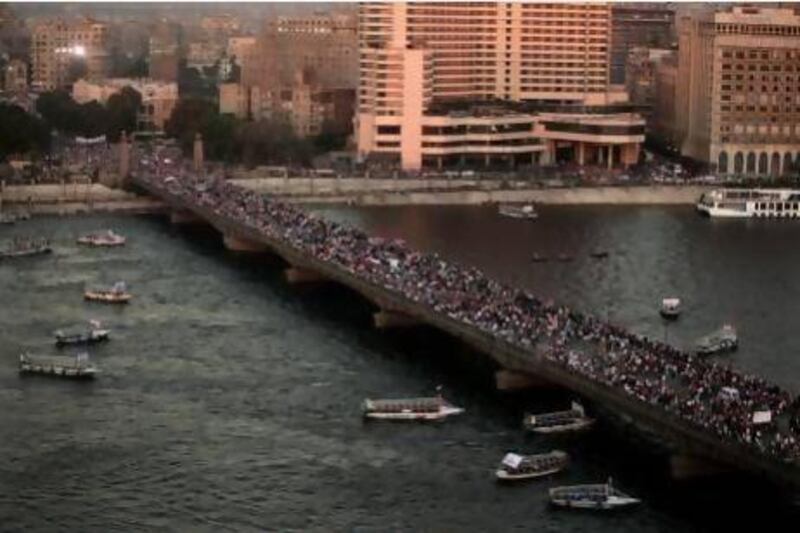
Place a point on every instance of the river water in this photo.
(231, 401)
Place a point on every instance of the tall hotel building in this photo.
(737, 96)
(488, 83)
(57, 45)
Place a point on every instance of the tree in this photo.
(122, 109)
(21, 132)
(188, 118)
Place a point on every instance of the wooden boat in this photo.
(536, 258)
(564, 258)
(596, 497)
(77, 367)
(92, 335)
(518, 211)
(574, 419)
(115, 295)
(516, 467)
(435, 408)
(670, 308)
(722, 340)
(599, 254)
(102, 239)
(26, 247)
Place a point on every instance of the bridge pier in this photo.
(180, 216)
(386, 319)
(298, 275)
(239, 244)
(509, 380)
(684, 467)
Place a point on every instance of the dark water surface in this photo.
(230, 401)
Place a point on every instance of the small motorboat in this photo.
(722, 340)
(599, 254)
(77, 367)
(596, 497)
(102, 239)
(26, 247)
(573, 419)
(518, 211)
(670, 308)
(116, 295)
(516, 467)
(537, 258)
(435, 408)
(91, 335)
(565, 258)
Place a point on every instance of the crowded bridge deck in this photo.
(701, 409)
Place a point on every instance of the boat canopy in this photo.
(512, 460)
(671, 303)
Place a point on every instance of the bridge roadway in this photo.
(696, 450)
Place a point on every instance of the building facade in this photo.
(499, 83)
(15, 77)
(62, 51)
(738, 90)
(158, 98)
(165, 51)
(645, 25)
(640, 78)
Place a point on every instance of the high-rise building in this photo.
(15, 77)
(486, 82)
(63, 51)
(738, 89)
(640, 77)
(648, 25)
(165, 49)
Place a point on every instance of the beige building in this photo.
(510, 83)
(62, 49)
(15, 77)
(662, 121)
(738, 89)
(158, 98)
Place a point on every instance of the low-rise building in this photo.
(158, 98)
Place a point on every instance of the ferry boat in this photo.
(574, 419)
(77, 367)
(747, 203)
(106, 239)
(435, 408)
(598, 497)
(516, 467)
(670, 308)
(722, 340)
(26, 247)
(518, 211)
(94, 334)
(116, 295)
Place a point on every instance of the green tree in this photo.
(122, 108)
(21, 132)
(189, 118)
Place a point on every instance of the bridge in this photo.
(695, 450)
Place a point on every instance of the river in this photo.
(231, 401)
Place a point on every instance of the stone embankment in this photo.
(71, 198)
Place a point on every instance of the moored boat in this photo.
(26, 247)
(598, 497)
(749, 203)
(434, 408)
(104, 239)
(670, 308)
(722, 340)
(538, 258)
(515, 467)
(116, 294)
(518, 211)
(573, 419)
(91, 335)
(77, 367)
(599, 254)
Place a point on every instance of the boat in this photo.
(91, 335)
(537, 258)
(722, 340)
(599, 254)
(77, 367)
(599, 497)
(750, 203)
(516, 467)
(573, 419)
(434, 408)
(670, 308)
(117, 294)
(518, 211)
(564, 258)
(105, 238)
(26, 247)
(12, 218)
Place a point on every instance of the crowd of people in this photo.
(737, 407)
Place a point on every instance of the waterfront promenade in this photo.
(659, 389)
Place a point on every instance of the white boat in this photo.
(118, 294)
(515, 467)
(77, 367)
(102, 239)
(722, 340)
(435, 408)
(747, 203)
(518, 211)
(574, 419)
(670, 308)
(598, 497)
(91, 335)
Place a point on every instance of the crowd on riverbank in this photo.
(706, 394)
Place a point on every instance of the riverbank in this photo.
(69, 199)
(467, 192)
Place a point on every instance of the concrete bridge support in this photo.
(386, 319)
(684, 467)
(298, 275)
(239, 244)
(509, 381)
(179, 216)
